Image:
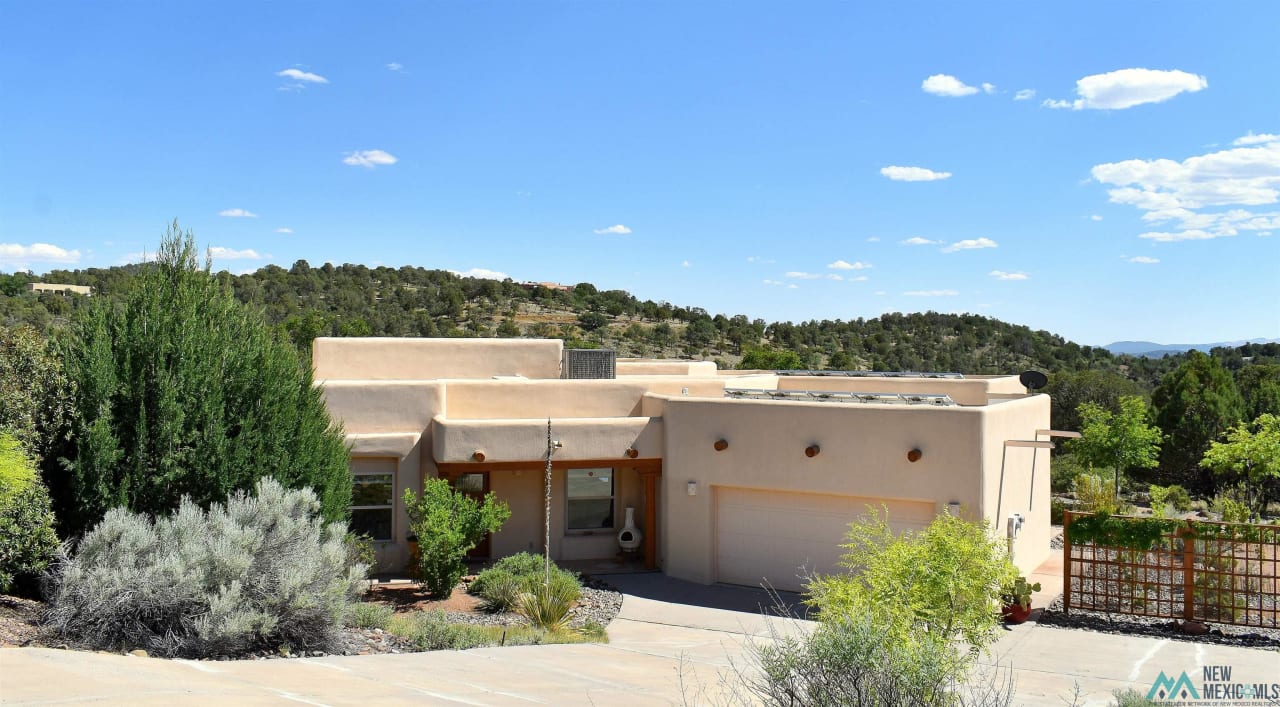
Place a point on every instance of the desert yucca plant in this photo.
(547, 606)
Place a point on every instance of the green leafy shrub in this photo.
(360, 550)
(367, 615)
(448, 524)
(259, 571)
(1063, 470)
(27, 538)
(501, 584)
(1057, 511)
(941, 582)
(1095, 494)
(181, 390)
(1230, 509)
(35, 395)
(1169, 498)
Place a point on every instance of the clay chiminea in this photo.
(630, 536)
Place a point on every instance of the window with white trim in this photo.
(590, 495)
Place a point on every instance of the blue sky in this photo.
(1101, 170)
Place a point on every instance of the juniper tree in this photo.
(181, 390)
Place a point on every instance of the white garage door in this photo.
(776, 536)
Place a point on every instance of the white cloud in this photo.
(931, 293)
(917, 240)
(835, 276)
(1264, 233)
(16, 253)
(797, 275)
(772, 283)
(971, 244)
(284, 230)
(619, 229)
(221, 253)
(304, 76)
(988, 88)
(369, 158)
(1024, 94)
(237, 213)
(1002, 275)
(686, 264)
(482, 273)
(873, 239)
(946, 85)
(138, 257)
(860, 278)
(1252, 139)
(1145, 260)
(793, 287)
(1126, 88)
(912, 174)
(758, 259)
(395, 66)
(1184, 193)
(842, 265)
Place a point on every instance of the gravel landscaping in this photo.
(1246, 636)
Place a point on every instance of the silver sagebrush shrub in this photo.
(260, 571)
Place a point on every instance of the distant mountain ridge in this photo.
(1151, 349)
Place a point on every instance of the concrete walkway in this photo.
(655, 641)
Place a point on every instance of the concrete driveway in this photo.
(666, 629)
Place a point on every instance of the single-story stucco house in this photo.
(734, 476)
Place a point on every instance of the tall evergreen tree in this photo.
(1195, 404)
(182, 390)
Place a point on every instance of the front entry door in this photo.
(475, 485)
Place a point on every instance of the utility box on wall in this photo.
(588, 363)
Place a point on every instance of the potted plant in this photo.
(1016, 599)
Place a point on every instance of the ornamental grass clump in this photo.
(260, 572)
(500, 585)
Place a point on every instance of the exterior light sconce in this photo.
(477, 456)
(557, 444)
(632, 453)
(812, 450)
(692, 488)
(914, 455)
(721, 445)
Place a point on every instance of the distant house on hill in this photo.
(549, 285)
(39, 287)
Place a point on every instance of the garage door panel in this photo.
(775, 537)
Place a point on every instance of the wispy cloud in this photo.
(835, 276)
(947, 85)
(1143, 259)
(1201, 196)
(873, 239)
(686, 264)
(369, 158)
(988, 88)
(759, 259)
(1095, 217)
(284, 230)
(971, 244)
(1252, 139)
(912, 174)
(237, 213)
(221, 253)
(800, 275)
(617, 229)
(931, 293)
(18, 254)
(773, 283)
(855, 265)
(1126, 88)
(481, 273)
(1002, 275)
(917, 240)
(859, 278)
(1024, 94)
(395, 66)
(300, 75)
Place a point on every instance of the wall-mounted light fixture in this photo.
(953, 509)
(692, 488)
(812, 450)
(914, 455)
(721, 445)
(477, 456)
(557, 444)
(632, 453)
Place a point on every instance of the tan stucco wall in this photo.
(364, 406)
(382, 358)
(863, 453)
(658, 367)
(1018, 420)
(523, 440)
(507, 399)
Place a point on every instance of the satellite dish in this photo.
(1033, 380)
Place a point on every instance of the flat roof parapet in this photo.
(870, 374)
(836, 396)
